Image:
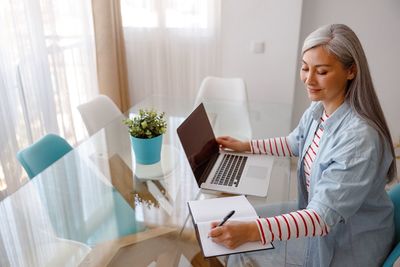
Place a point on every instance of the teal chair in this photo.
(42, 154)
(394, 195)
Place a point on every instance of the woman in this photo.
(346, 157)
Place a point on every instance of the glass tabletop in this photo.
(97, 207)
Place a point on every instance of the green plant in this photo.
(147, 124)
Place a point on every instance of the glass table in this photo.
(97, 207)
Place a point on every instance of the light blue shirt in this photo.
(347, 188)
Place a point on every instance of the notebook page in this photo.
(216, 209)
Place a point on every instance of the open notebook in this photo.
(208, 210)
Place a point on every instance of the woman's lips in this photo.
(313, 90)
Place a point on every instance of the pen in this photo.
(226, 218)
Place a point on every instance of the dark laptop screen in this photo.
(198, 141)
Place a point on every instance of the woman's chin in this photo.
(313, 97)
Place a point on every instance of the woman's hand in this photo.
(234, 233)
(234, 144)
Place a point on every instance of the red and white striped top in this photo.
(312, 151)
(300, 223)
(296, 224)
(277, 146)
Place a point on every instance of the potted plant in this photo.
(146, 131)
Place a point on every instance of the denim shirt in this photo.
(347, 188)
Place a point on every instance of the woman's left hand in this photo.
(234, 233)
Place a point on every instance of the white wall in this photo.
(270, 75)
(377, 24)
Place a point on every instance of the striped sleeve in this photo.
(296, 224)
(277, 146)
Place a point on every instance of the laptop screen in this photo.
(198, 142)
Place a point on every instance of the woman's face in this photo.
(325, 77)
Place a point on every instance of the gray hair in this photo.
(341, 41)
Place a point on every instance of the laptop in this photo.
(221, 170)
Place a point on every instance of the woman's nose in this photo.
(309, 78)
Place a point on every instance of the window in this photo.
(165, 14)
(47, 68)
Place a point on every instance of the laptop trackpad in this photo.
(256, 171)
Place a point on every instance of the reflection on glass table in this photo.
(28, 237)
(65, 207)
(159, 170)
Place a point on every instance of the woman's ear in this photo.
(352, 72)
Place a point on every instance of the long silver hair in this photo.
(342, 42)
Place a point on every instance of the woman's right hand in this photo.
(234, 233)
(234, 144)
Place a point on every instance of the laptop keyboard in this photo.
(230, 170)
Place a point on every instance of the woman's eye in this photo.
(321, 72)
(304, 69)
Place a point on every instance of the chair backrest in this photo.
(223, 90)
(216, 88)
(98, 112)
(42, 154)
(394, 195)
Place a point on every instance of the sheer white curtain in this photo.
(47, 67)
(171, 45)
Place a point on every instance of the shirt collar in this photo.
(334, 119)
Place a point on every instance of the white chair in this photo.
(225, 100)
(66, 252)
(98, 112)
